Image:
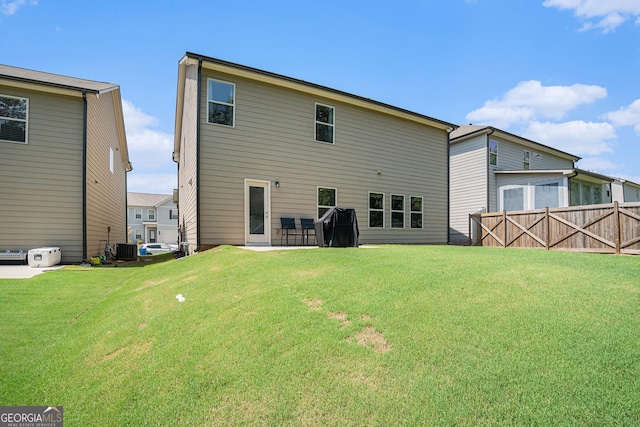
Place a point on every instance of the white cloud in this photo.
(149, 149)
(609, 14)
(530, 100)
(155, 183)
(575, 137)
(598, 164)
(626, 116)
(11, 7)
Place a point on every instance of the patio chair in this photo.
(289, 229)
(307, 227)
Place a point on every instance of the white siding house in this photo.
(153, 218)
(625, 191)
(254, 146)
(493, 170)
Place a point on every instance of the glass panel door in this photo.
(258, 229)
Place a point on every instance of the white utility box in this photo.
(44, 257)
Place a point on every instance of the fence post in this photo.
(470, 239)
(547, 228)
(616, 226)
(504, 223)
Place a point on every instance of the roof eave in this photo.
(227, 67)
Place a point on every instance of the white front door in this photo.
(257, 206)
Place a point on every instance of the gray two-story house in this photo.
(493, 170)
(153, 218)
(254, 146)
(63, 164)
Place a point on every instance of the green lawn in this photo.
(396, 335)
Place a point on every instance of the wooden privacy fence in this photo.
(609, 228)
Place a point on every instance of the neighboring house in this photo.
(624, 190)
(493, 170)
(63, 164)
(153, 218)
(253, 146)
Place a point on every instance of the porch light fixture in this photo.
(278, 184)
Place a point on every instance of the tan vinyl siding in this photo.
(273, 140)
(41, 191)
(468, 182)
(106, 194)
(187, 177)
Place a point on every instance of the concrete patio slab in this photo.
(23, 271)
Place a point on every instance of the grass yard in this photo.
(398, 335)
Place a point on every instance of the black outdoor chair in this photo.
(307, 226)
(289, 229)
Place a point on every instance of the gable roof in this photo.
(54, 80)
(290, 83)
(466, 131)
(71, 86)
(147, 199)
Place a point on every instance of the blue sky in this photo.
(565, 73)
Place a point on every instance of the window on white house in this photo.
(221, 102)
(327, 198)
(325, 124)
(376, 210)
(13, 119)
(397, 211)
(151, 214)
(513, 199)
(493, 152)
(173, 214)
(138, 234)
(527, 160)
(547, 195)
(416, 212)
(138, 213)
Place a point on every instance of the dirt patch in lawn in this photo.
(372, 339)
(341, 316)
(314, 304)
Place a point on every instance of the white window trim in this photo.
(318, 206)
(526, 154)
(137, 232)
(333, 125)
(497, 153)
(529, 191)
(26, 121)
(404, 218)
(421, 212)
(151, 213)
(135, 213)
(376, 210)
(235, 99)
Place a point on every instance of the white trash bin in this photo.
(44, 257)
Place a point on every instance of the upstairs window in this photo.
(376, 210)
(151, 214)
(325, 125)
(13, 119)
(526, 160)
(493, 153)
(326, 200)
(138, 213)
(221, 102)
